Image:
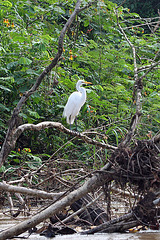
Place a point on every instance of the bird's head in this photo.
(80, 82)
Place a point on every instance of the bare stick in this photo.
(158, 23)
(32, 192)
(10, 202)
(109, 223)
(152, 66)
(120, 4)
(156, 138)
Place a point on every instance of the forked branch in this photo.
(60, 127)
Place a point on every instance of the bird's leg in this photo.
(70, 122)
(76, 123)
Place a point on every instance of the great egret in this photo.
(75, 101)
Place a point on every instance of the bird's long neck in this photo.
(81, 90)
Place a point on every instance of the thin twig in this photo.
(120, 4)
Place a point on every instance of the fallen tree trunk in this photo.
(93, 183)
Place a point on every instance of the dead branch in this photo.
(142, 24)
(143, 68)
(146, 67)
(138, 86)
(132, 47)
(157, 201)
(156, 139)
(109, 223)
(10, 202)
(28, 191)
(124, 161)
(158, 23)
(120, 4)
(152, 66)
(17, 132)
(60, 126)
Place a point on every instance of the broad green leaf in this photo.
(12, 65)
(58, 10)
(2, 169)
(32, 72)
(7, 80)
(34, 114)
(24, 61)
(86, 23)
(37, 159)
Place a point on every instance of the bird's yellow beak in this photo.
(88, 82)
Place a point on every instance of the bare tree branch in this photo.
(109, 223)
(140, 25)
(152, 64)
(82, 208)
(158, 23)
(59, 126)
(120, 4)
(32, 192)
(156, 139)
(149, 69)
(138, 86)
(132, 46)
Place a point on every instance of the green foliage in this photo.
(23, 158)
(144, 8)
(94, 50)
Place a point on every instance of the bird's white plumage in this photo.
(75, 101)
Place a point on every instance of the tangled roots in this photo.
(139, 165)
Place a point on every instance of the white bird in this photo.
(75, 101)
